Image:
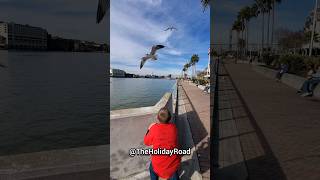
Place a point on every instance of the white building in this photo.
(18, 36)
(308, 28)
(117, 73)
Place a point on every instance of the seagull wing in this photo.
(167, 29)
(3, 66)
(103, 7)
(143, 60)
(155, 48)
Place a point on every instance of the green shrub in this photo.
(268, 59)
(312, 61)
(295, 62)
(202, 81)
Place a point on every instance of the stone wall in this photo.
(127, 130)
(93, 160)
(288, 79)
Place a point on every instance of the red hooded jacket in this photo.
(164, 136)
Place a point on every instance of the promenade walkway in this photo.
(276, 129)
(197, 105)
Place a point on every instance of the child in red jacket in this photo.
(163, 135)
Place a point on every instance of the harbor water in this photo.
(52, 100)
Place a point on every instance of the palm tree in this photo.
(191, 62)
(253, 13)
(262, 9)
(194, 61)
(237, 27)
(314, 19)
(192, 68)
(242, 15)
(247, 13)
(274, 2)
(186, 67)
(268, 9)
(205, 4)
(184, 71)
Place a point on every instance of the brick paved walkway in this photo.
(198, 113)
(278, 130)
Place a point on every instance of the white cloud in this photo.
(148, 2)
(135, 27)
(132, 35)
(174, 52)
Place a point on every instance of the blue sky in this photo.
(136, 25)
(67, 18)
(289, 14)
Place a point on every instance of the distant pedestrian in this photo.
(163, 135)
(251, 60)
(283, 69)
(313, 78)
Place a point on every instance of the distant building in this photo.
(18, 36)
(308, 29)
(61, 44)
(117, 73)
(128, 75)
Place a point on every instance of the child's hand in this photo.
(151, 125)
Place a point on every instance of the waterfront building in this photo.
(117, 73)
(61, 44)
(128, 75)
(56, 43)
(308, 29)
(18, 36)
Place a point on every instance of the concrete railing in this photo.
(60, 164)
(127, 130)
(288, 79)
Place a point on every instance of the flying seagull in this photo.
(152, 54)
(103, 7)
(171, 28)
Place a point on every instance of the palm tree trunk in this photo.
(243, 39)
(262, 37)
(238, 41)
(313, 28)
(191, 71)
(230, 40)
(272, 30)
(194, 72)
(268, 31)
(247, 38)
